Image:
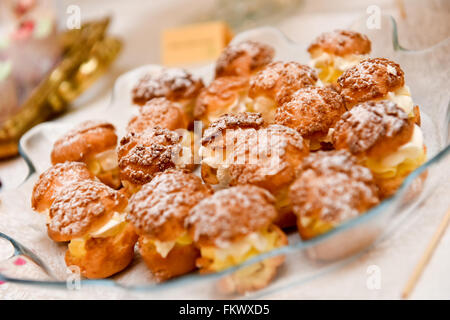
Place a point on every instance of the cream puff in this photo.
(331, 188)
(312, 112)
(142, 155)
(334, 52)
(215, 148)
(243, 58)
(275, 84)
(51, 181)
(223, 95)
(94, 143)
(376, 79)
(262, 156)
(382, 136)
(174, 84)
(158, 213)
(158, 112)
(91, 216)
(232, 226)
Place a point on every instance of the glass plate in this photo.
(427, 76)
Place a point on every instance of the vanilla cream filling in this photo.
(104, 161)
(266, 107)
(402, 97)
(211, 158)
(230, 254)
(412, 151)
(340, 63)
(242, 104)
(216, 160)
(111, 227)
(164, 247)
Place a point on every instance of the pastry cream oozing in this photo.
(235, 253)
(241, 104)
(404, 160)
(311, 227)
(110, 229)
(332, 66)
(402, 97)
(218, 160)
(164, 247)
(266, 106)
(103, 162)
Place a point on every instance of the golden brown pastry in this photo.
(312, 112)
(243, 58)
(158, 212)
(224, 95)
(239, 149)
(331, 188)
(382, 136)
(94, 143)
(233, 226)
(52, 180)
(275, 84)
(376, 79)
(158, 112)
(91, 216)
(174, 84)
(334, 52)
(142, 155)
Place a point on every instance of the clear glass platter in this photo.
(426, 74)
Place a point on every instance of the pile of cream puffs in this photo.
(283, 145)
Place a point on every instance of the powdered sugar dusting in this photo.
(341, 42)
(370, 79)
(257, 54)
(332, 186)
(162, 205)
(78, 206)
(142, 155)
(231, 213)
(279, 80)
(171, 83)
(54, 179)
(368, 123)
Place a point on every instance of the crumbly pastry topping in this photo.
(171, 83)
(87, 138)
(158, 112)
(161, 206)
(81, 205)
(56, 177)
(256, 55)
(230, 214)
(221, 90)
(370, 79)
(311, 111)
(260, 155)
(333, 186)
(341, 43)
(279, 80)
(142, 155)
(368, 124)
(242, 120)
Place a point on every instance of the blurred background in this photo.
(36, 37)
